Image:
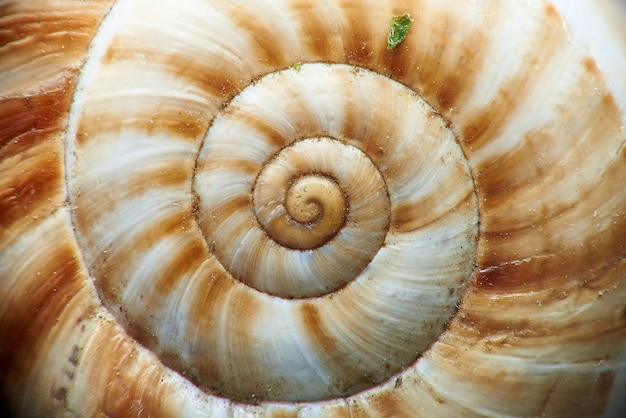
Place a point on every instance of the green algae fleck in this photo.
(400, 26)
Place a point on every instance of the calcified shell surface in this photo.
(214, 208)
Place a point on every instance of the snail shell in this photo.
(257, 209)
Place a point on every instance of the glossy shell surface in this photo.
(254, 208)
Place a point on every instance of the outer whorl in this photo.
(255, 208)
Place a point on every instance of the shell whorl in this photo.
(256, 208)
(233, 220)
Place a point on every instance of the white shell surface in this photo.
(114, 301)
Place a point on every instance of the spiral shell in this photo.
(255, 208)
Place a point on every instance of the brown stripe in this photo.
(487, 123)
(374, 128)
(584, 378)
(399, 63)
(110, 268)
(131, 383)
(357, 33)
(31, 187)
(445, 63)
(243, 167)
(278, 412)
(93, 201)
(226, 312)
(210, 220)
(44, 21)
(415, 215)
(316, 330)
(570, 312)
(388, 404)
(317, 30)
(531, 171)
(459, 76)
(182, 119)
(205, 311)
(48, 280)
(551, 252)
(43, 40)
(190, 254)
(271, 134)
(26, 121)
(556, 263)
(349, 408)
(248, 378)
(441, 67)
(264, 35)
(522, 168)
(222, 82)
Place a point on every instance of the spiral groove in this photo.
(316, 199)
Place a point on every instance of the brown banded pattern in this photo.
(253, 208)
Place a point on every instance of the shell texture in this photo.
(255, 209)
